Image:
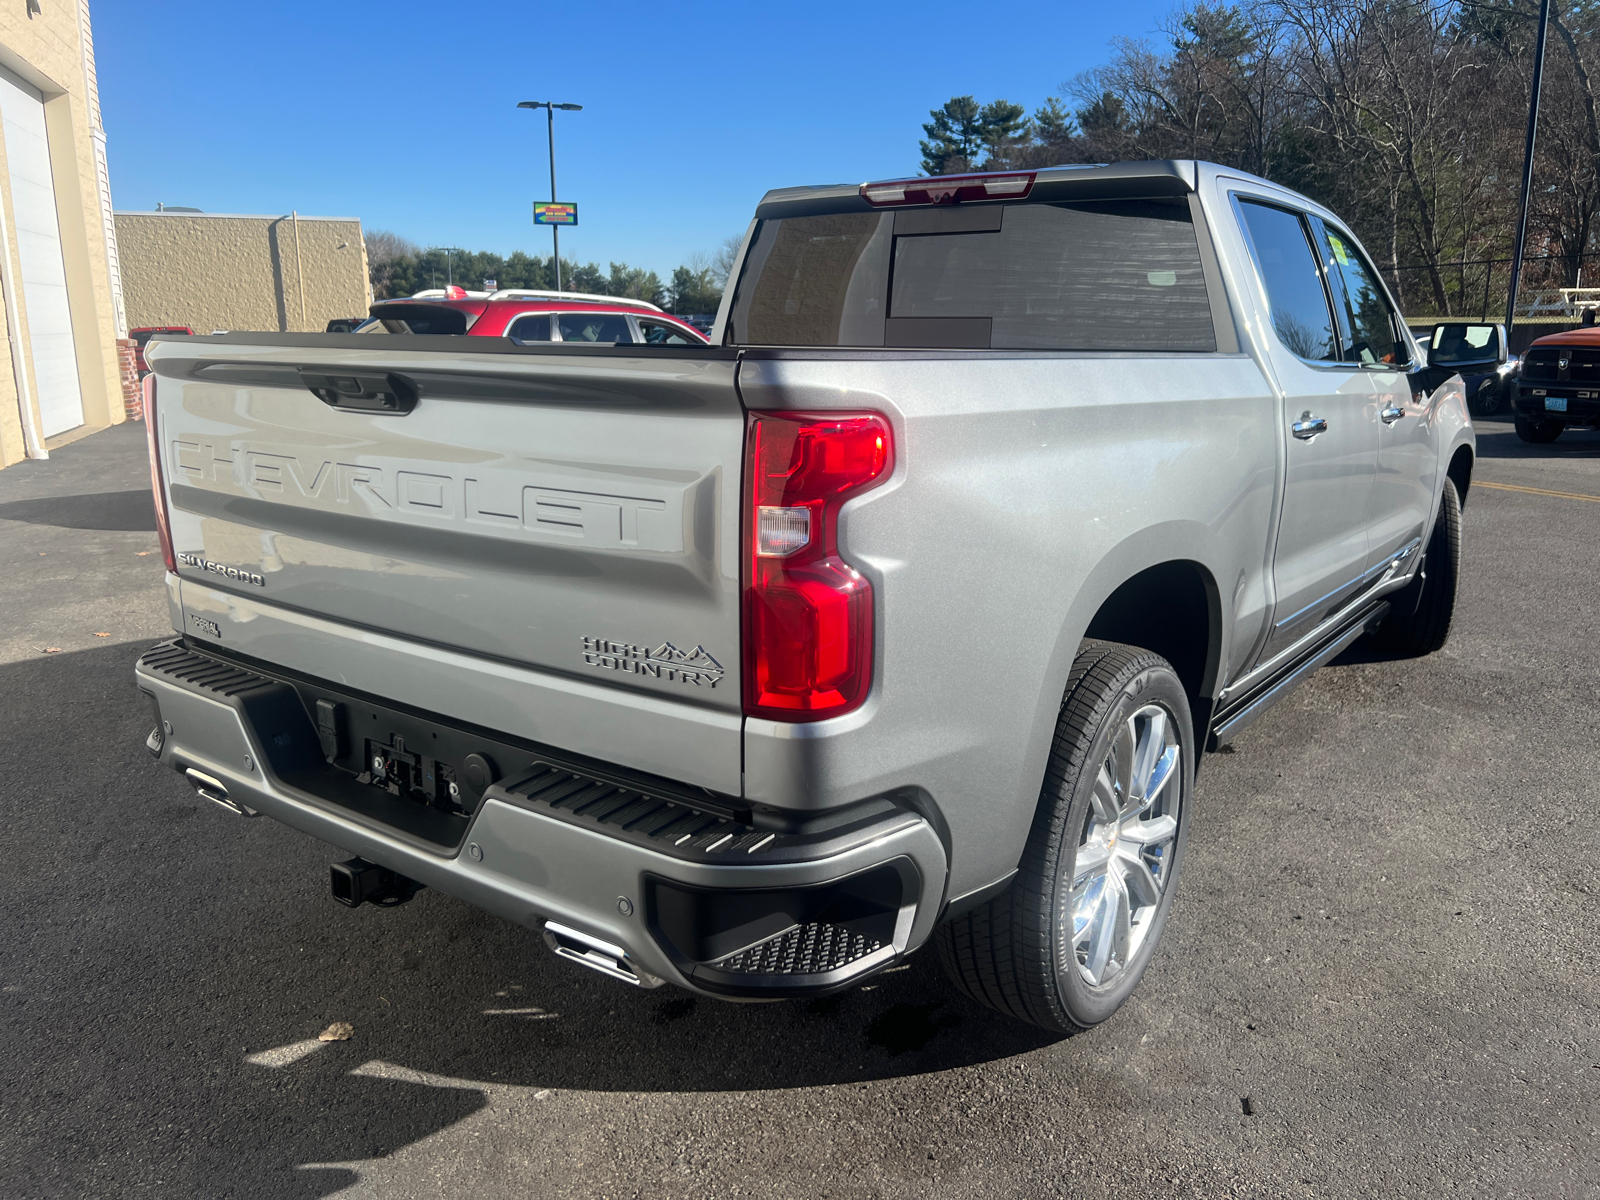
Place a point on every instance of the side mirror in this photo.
(1458, 345)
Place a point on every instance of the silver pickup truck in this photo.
(902, 612)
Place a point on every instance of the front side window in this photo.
(594, 327)
(1289, 275)
(659, 333)
(1366, 322)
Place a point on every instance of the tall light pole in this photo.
(1527, 168)
(550, 107)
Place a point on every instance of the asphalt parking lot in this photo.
(1380, 978)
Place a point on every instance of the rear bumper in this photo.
(732, 911)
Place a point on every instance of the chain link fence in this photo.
(1476, 289)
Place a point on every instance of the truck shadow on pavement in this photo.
(170, 966)
(133, 511)
(1498, 439)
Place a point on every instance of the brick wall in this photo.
(128, 367)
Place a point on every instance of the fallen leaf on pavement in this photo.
(142, 553)
(51, 649)
(339, 1031)
(102, 635)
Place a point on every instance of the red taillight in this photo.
(153, 435)
(948, 189)
(807, 612)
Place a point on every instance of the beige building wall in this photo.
(288, 274)
(50, 47)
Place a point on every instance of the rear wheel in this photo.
(1065, 945)
(1540, 433)
(1424, 609)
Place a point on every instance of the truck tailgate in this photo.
(571, 511)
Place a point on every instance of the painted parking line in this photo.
(1513, 487)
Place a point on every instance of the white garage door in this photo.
(44, 279)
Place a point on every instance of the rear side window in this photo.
(1295, 296)
(532, 328)
(1107, 275)
(420, 318)
(594, 327)
(815, 281)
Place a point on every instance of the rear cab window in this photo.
(1035, 275)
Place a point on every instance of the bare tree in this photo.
(384, 252)
(725, 257)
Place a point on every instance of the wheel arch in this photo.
(1173, 609)
(1156, 590)
(1459, 472)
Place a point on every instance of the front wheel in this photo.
(1423, 609)
(1487, 401)
(1066, 944)
(1540, 433)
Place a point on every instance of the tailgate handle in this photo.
(362, 391)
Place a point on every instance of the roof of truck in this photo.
(1081, 181)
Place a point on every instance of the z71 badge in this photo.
(666, 661)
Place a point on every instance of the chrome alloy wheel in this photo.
(1126, 847)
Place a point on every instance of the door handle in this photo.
(1391, 414)
(1307, 427)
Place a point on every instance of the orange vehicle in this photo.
(1560, 386)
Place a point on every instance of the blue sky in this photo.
(404, 113)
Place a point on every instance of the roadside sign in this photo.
(554, 214)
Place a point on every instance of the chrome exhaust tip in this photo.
(597, 955)
(210, 788)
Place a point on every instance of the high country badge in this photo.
(666, 661)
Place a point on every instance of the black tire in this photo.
(1540, 433)
(1422, 611)
(1016, 953)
